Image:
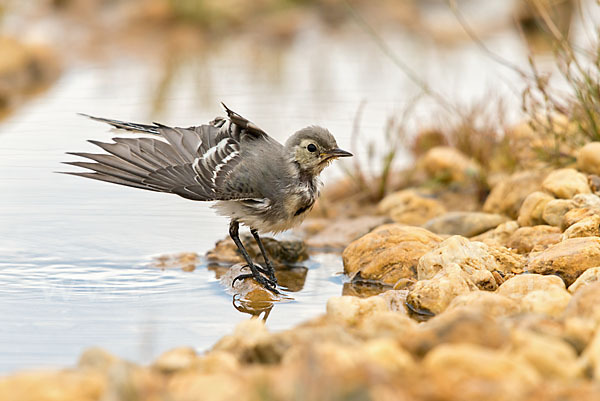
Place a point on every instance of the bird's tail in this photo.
(135, 127)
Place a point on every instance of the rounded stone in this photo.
(410, 207)
(388, 253)
(448, 164)
(588, 277)
(588, 158)
(565, 183)
(567, 259)
(537, 293)
(587, 227)
(535, 238)
(555, 210)
(532, 209)
(509, 194)
(467, 224)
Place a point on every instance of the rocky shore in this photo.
(490, 297)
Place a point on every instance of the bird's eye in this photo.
(311, 147)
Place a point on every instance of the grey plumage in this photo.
(255, 180)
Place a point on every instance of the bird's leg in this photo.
(262, 280)
(270, 269)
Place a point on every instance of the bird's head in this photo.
(313, 148)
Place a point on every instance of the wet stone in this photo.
(388, 253)
(281, 253)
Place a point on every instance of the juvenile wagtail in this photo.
(255, 180)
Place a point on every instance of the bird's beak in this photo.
(334, 153)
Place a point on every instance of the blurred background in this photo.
(77, 258)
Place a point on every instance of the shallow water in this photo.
(75, 267)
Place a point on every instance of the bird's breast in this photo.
(301, 200)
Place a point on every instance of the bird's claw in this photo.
(269, 272)
(267, 283)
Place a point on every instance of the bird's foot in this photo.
(269, 272)
(267, 283)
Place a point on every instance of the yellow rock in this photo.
(567, 259)
(192, 386)
(499, 235)
(448, 164)
(97, 358)
(467, 224)
(246, 335)
(349, 310)
(388, 253)
(388, 355)
(386, 324)
(550, 356)
(176, 359)
(532, 209)
(459, 325)
(589, 276)
(489, 303)
(588, 158)
(477, 372)
(508, 195)
(555, 211)
(537, 293)
(584, 304)
(586, 227)
(410, 207)
(473, 258)
(432, 296)
(591, 355)
(217, 362)
(574, 216)
(65, 385)
(566, 183)
(536, 238)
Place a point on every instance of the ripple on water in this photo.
(53, 309)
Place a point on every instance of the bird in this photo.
(253, 179)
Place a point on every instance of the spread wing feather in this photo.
(193, 162)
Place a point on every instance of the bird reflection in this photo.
(253, 307)
(250, 297)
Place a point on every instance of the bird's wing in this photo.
(194, 162)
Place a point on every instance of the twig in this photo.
(397, 60)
